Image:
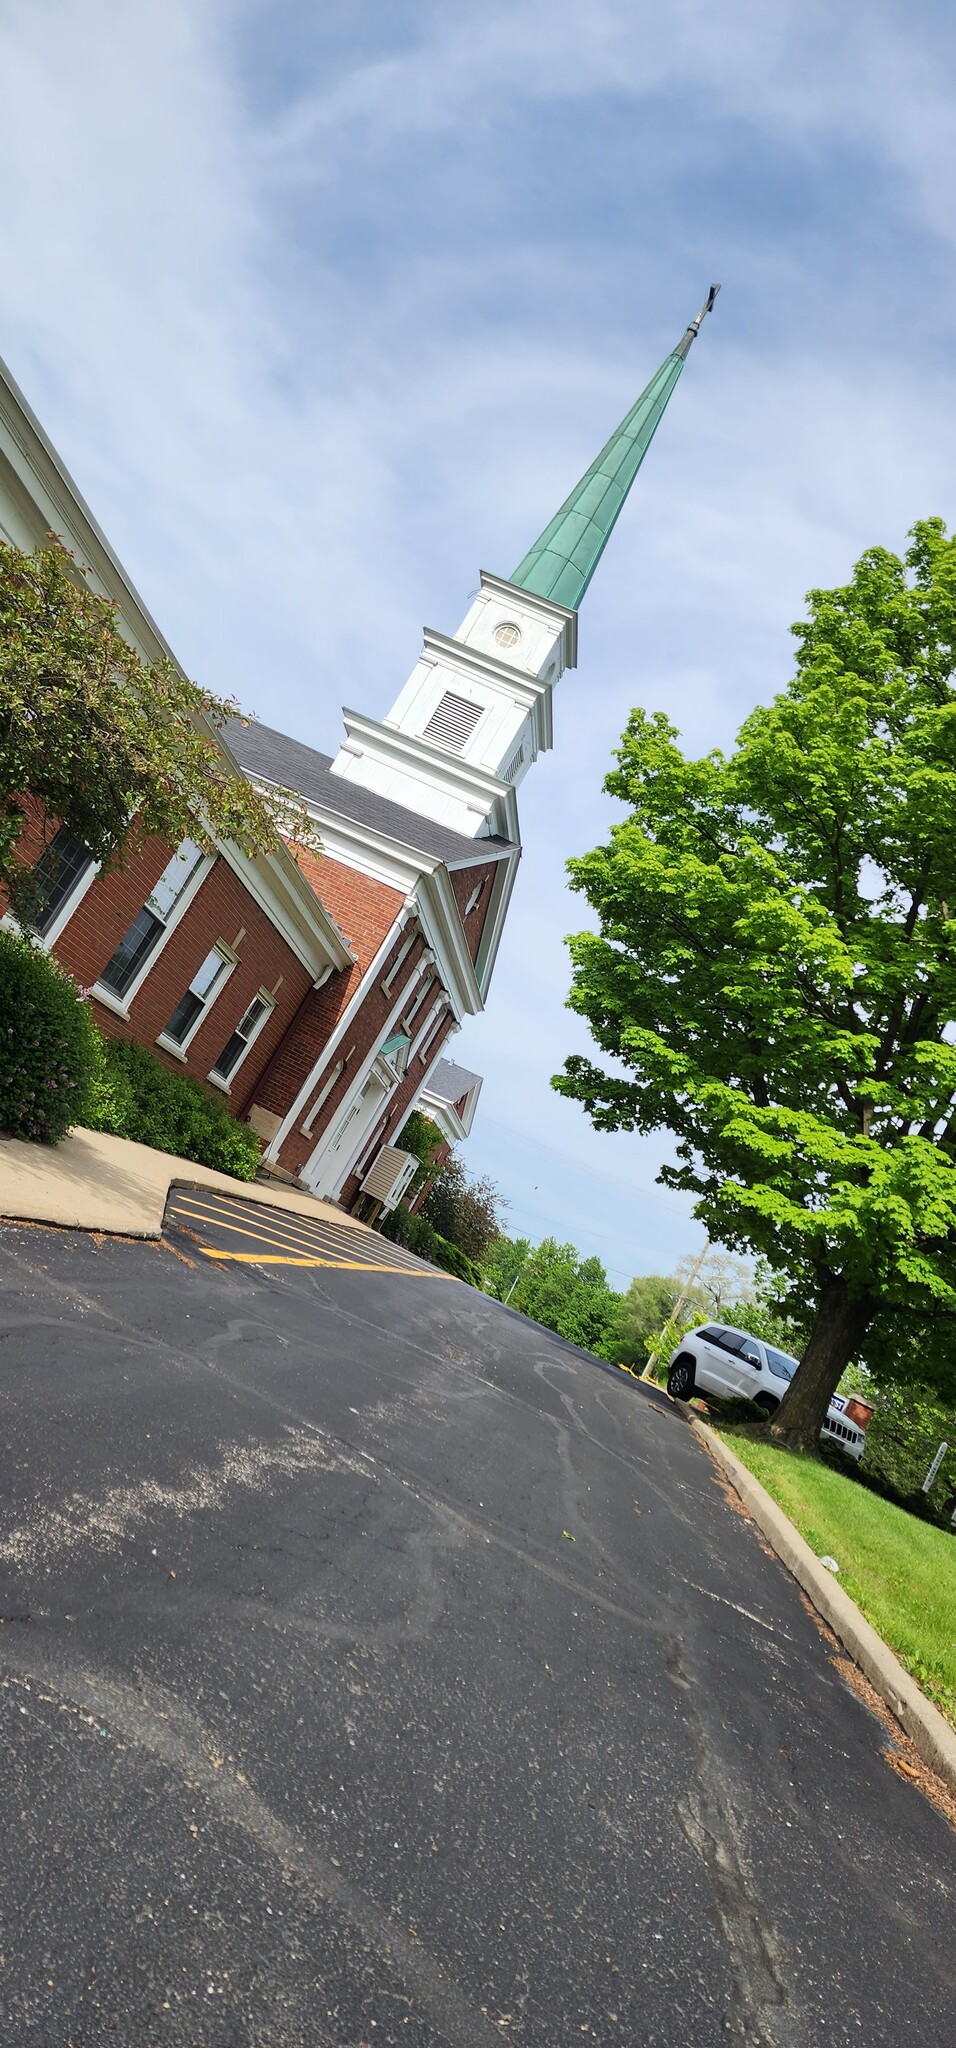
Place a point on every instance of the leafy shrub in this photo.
(48, 1045)
(133, 1095)
(418, 1235)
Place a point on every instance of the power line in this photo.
(597, 1173)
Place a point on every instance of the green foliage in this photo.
(502, 1264)
(48, 1045)
(775, 971)
(566, 1293)
(463, 1210)
(419, 1135)
(909, 1423)
(638, 1317)
(95, 736)
(419, 1236)
(136, 1097)
(897, 1569)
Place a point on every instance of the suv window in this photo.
(733, 1340)
(781, 1364)
(715, 1334)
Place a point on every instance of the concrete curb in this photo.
(929, 1731)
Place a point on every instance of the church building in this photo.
(319, 991)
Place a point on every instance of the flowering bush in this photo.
(48, 1045)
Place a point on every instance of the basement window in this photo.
(453, 721)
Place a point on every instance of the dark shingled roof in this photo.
(450, 1082)
(276, 758)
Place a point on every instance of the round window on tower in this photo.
(508, 635)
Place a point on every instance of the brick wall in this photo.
(222, 908)
(401, 1100)
(365, 1033)
(463, 881)
(366, 910)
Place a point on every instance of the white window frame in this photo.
(432, 1027)
(322, 1097)
(435, 1013)
(223, 1082)
(179, 1047)
(408, 1015)
(47, 940)
(399, 962)
(121, 1004)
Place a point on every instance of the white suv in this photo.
(717, 1360)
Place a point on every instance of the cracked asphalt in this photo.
(377, 1669)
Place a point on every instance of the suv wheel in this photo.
(680, 1379)
(768, 1402)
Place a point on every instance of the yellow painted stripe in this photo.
(280, 1236)
(292, 1224)
(338, 1265)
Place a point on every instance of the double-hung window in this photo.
(205, 986)
(62, 866)
(246, 1032)
(150, 924)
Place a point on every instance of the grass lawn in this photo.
(900, 1571)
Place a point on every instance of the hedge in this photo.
(405, 1228)
(57, 1069)
(134, 1096)
(48, 1045)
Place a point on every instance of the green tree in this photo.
(566, 1293)
(95, 737)
(775, 971)
(464, 1210)
(419, 1135)
(502, 1264)
(639, 1316)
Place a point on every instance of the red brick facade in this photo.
(400, 1102)
(368, 1029)
(464, 882)
(304, 1019)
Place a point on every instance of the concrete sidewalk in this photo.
(92, 1181)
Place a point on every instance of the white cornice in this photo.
(274, 879)
(546, 608)
(515, 683)
(502, 888)
(476, 787)
(440, 919)
(291, 905)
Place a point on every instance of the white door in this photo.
(332, 1161)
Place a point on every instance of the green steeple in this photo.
(564, 558)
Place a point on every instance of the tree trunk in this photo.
(841, 1325)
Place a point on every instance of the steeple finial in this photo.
(690, 333)
(565, 556)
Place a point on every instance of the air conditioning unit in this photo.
(389, 1176)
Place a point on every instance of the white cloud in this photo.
(317, 352)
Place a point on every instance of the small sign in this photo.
(934, 1468)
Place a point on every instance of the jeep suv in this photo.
(731, 1364)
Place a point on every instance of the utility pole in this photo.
(679, 1303)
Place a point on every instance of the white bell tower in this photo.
(473, 715)
(476, 710)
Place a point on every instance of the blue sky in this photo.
(326, 307)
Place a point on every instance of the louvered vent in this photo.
(452, 721)
(513, 765)
(388, 1178)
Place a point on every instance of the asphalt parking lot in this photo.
(375, 1668)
